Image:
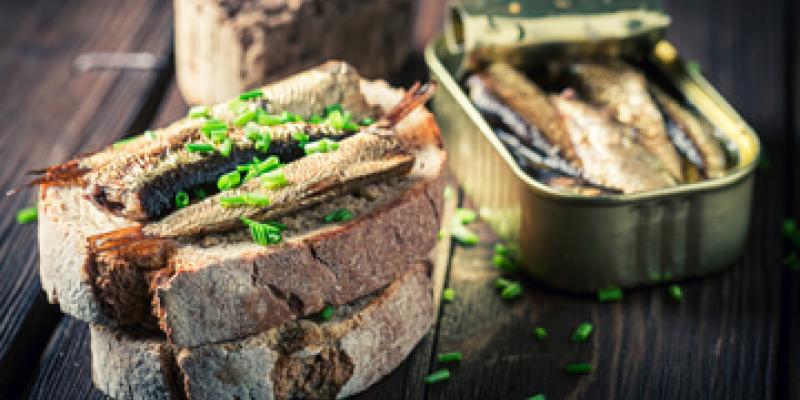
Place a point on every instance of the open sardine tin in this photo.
(572, 241)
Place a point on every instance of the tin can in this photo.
(586, 243)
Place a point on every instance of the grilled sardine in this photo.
(528, 101)
(610, 156)
(622, 90)
(140, 179)
(698, 131)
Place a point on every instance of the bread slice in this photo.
(305, 358)
(224, 287)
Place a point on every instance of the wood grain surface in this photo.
(732, 336)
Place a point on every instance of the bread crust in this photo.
(313, 359)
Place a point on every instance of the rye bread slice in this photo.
(226, 287)
(307, 358)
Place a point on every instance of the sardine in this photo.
(528, 101)
(698, 131)
(610, 156)
(373, 153)
(622, 90)
(140, 179)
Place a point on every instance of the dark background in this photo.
(733, 336)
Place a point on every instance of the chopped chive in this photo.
(578, 368)
(539, 396)
(465, 216)
(440, 234)
(269, 119)
(331, 108)
(150, 135)
(263, 233)
(513, 290)
(366, 121)
(448, 294)
(252, 133)
(219, 135)
(350, 126)
(198, 112)
(501, 283)
(326, 313)
(244, 118)
(340, 215)
(257, 168)
(262, 144)
(199, 148)
(609, 294)
(213, 125)
(675, 292)
(449, 357)
(200, 194)
(229, 180)
(320, 146)
(582, 332)
(336, 119)
(540, 333)
(287, 117)
(226, 147)
(438, 376)
(301, 138)
(464, 235)
(274, 179)
(27, 215)
(501, 249)
(181, 199)
(237, 106)
(503, 263)
(253, 94)
(245, 200)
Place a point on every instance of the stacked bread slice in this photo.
(324, 313)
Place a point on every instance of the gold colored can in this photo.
(578, 242)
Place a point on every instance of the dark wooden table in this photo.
(734, 335)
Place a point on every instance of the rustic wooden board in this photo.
(52, 112)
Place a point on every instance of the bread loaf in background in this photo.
(223, 47)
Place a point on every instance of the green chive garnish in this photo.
(514, 289)
(340, 215)
(465, 216)
(578, 368)
(366, 122)
(269, 119)
(199, 148)
(539, 396)
(464, 235)
(321, 146)
(675, 292)
(301, 138)
(337, 120)
(252, 133)
(438, 376)
(315, 119)
(181, 199)
(350, 126)
(253, 94)
(449, 357)
(440, 234)
(237, 106)
(448, 294)
(259, 167)
(263, 233)
(274, 179)
(326, 313)
(501, 283)
(503, 263)
(582, 332)
(27, 215)
(123, 142)
(244, 118)
(229, 180)
(213, 125)
(609, 294)
(501, 249)
(540, 333)
(244, 200)
(226, 147)
(287, 117)
(197, 112)
(331, 108)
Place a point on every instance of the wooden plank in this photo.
(720, 342)
(52, 113)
